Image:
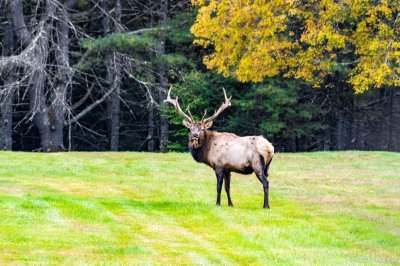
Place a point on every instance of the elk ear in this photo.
(208, 124)
(187, 123)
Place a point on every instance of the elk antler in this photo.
(205, 112)
(224, 105)
(175, 103)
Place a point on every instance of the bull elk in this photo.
(226, 152)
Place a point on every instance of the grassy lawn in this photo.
(327, 208)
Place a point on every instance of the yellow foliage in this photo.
(255, 39)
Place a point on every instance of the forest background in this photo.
(92, 75)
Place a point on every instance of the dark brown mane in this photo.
(200, 154)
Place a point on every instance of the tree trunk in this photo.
(51, 135)
(113, 79)
(6, 115)
(361, 134)
(360, 130)
(44, 117)
(164, 134)
(359, 126)
(16, 16)
(340, 131)
(390, 142)
(150, 128)
(327, 138)
(151, 123)
(6, 99)
(395, 125)
(113, 103)
(164, 124)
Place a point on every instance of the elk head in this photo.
(198, 130)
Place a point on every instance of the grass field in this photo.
(327, 208)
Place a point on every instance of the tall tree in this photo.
(44, 113)
(113, 76)
(7, 93)
(257, 39)
(151, 121)
(162, 75)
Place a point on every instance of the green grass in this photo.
(327, 208)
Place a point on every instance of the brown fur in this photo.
(229, 151)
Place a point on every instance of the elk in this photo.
(226, 152)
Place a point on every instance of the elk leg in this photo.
(266, 186)
(227, 179)
(261, 171)
(219, 173)
(264, 181)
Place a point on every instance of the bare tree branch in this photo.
(90, 107)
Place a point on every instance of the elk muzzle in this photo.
(195, 142)
(194, 137)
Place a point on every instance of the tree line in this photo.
(93, 74)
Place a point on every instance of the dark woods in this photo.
(93, 75)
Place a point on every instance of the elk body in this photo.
(227, 152)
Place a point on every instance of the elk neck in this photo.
(200, 154)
